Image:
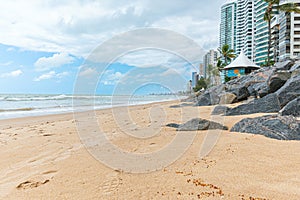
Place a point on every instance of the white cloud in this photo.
(78, 26)
(87, 72)
(57, 60)
(6, 63)
(51, 75)
(111, 78)
(12, 74)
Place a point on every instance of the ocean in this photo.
(24, 105)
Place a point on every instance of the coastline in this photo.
(43, 157)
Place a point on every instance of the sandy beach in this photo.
(44, 158)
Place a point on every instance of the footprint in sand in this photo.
(31, 184)
(111, 183)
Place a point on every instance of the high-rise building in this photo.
(289, 33)
(210, 58)
(245, 28)
(251, 30)
(195, 79)
(228, 25)
(261, 35)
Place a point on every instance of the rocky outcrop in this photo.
(220, 110)
(289, 91)
(295, 66)
(285, 65)
(241, 93)
(198, 124)
(267, 104)
(204, 100)
(227, 98)
(292, 108)
(277, 80)
(272, 126)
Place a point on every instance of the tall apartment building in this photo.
(261, 35)
(251, 29)
(228, 25)
(289, 33)
(245, 28)
(210, 58)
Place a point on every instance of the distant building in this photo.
(195, 79)
(261, 33)
(228, 25)
(289, 33)
(201, 70)
(245, 28)
(275, 26)
(210, 58)
(189, 86)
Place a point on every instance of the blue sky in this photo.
(46, 43)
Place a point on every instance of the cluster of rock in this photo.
(275, 90)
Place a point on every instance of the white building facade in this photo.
(228, 25)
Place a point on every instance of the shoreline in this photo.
(44, 158)
(72, 112)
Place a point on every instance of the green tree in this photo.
(200, 84)
(273, 8)
(213, 73)
(220, 65)
(226, 53)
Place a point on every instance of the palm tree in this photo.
(220, 65)
(272, 8)
(226, 53)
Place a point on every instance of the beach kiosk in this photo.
(240, 66)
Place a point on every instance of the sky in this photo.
(46, 46)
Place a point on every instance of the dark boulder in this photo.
(272, 126)
(285, 65)
(200, 124)
(277, 80)
(267, 104)
(292, 108)
(211, 96)
(289, 91)
(204, 100)
(173, 125)
(220, 110)
(263, 90)
(241, 93)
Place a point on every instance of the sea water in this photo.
(23, 105)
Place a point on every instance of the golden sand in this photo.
(43, 158)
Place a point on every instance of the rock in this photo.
(285, 65)
(277, 80)
(295, 66)
(204, 100)
(289, 91)
(296, 73)
(292, 108)
(272, 126)
(241, 93)
(227, 98)
(220, 110)
(267, 104)
(263, 90)
(173, 125)
(200, 124)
